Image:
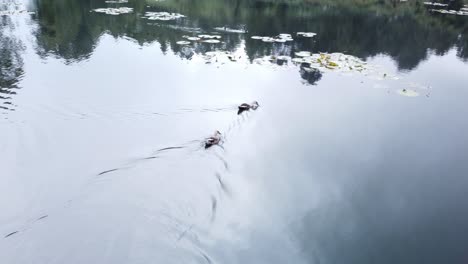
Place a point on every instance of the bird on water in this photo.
(213, 140)
(246, 107)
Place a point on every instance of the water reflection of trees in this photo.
(405, 31)
(11, 64)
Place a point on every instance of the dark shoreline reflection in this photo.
(406, 31)
(11, 64)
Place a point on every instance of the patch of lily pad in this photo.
(435, 4)
(114, 11)
(450, 12)
(281, 38)
(306, 34)
(220, 57)
(313, 65)
(230, 30)
(303, 54)
(211, 41)
(116, 1)
(331, 61)
(183, 42)
(163, 16)
(193, 38)
(206, 36)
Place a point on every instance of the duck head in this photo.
(254, 105)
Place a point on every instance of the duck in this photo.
(213, 140)
(246, 107)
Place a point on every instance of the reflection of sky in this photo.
(338, 172)
(358, 175)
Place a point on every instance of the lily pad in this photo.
(298, 60)
(283, 58)
(193, 38)
(306, 34)
(114, 11)
(183, 42)
(206, 36)
(284, 35)
(303, 54)
(268, 39)
(435, 4)
(213, 41)
(279, 40)
(450, 12)
(332, 64)
(116, 1)
(256, 37)
(164, 16)
(230, 30)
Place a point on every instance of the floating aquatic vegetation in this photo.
(116, 1)
(222, 57)
(230, 30)
(306, 34)
(268, 39)
(206, 36)
(183, 42)
(114, 11)
(298, 60)
(312, 66)
(283, 58)
(164, 16)
(193, 38)
(408, 92)
(337, 62)
(181, 28)
(272, 60)
(281, 38)
(450, 12)
(303, 54)
(212, 41)
(435, 4)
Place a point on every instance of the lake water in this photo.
(358, 152)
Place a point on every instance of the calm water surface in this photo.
(102, 120)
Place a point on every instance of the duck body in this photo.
(213, 140)
(246, 107)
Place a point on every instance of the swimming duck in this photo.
(245, 107)
(213, 140)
